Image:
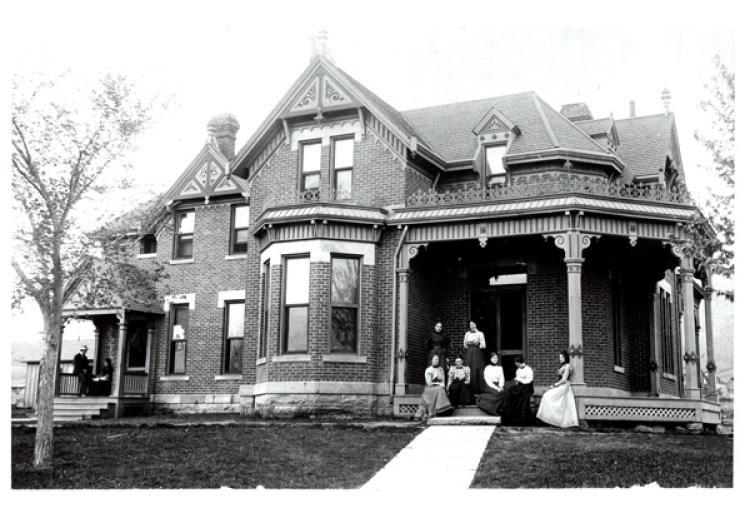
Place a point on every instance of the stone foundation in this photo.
(195, 403)
(293, 405)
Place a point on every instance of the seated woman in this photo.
(459, 389)
(515, 402)
(434, 400)
(494, 382)
(558, 405)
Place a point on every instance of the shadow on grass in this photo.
(208, 457)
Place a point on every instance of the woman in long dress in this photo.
(459, 382)
(473, 344)
(438, 343)
(558, 405)
(434, 399)
(515, 401)
(494, 383)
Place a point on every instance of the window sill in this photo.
(235, 256)
(147, 256)
(671, 377)
(260, 361)
(181, 261)
(619, 369)
(174, 378)
(228, 377)
(292, 358)
(344, 358)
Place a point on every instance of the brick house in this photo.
(308, 267)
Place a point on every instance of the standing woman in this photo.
(434, 399)
(474, 343)
(437, 343)
(558, 405)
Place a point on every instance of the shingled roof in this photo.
(447, 129)
(644, 143)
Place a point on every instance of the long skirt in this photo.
(489, 401)
(558, 407)
(474, 359)
(435, 400)
(515, 404)
(459, 393)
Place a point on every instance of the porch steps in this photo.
(469, 415)
(81, 408)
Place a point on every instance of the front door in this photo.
(500, 313)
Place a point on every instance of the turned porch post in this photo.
(573, 244)
(118, 376)
(403, 324)
(692, 369)
(710, 363)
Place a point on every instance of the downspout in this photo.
(393, 311)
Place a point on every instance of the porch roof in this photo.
(635, 208)
(323, 211)
(75, 312)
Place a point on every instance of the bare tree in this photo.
(66, 133)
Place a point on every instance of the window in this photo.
(296, 303)
(148, 244)
(343, 167)
(666, 331)
(265, 293)
(344, 304)
(184, 234)
(311, 166)
(239, 229)
(495, 169)
(178, 339)
(617, 320)
(234, 332)
(137, 347)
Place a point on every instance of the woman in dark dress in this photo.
(437, 344)
(515, 401)
(494, 382)
(474, 344)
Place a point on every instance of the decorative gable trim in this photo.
(333, 95)
(495, 121)
(309, 100)
(321, 93)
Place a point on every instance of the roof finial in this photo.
(319, 45)
(665, 97)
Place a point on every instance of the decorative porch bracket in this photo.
(573, 243)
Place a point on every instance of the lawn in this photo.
(288, 456)
(623, 459)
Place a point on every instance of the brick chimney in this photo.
(632, 109)
(223, 128)
(576, 112)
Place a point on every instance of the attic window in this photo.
(494, 166)
(148, 244)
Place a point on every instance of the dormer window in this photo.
(310, 165)
(494, 166)
(148, 244)
(343, 166)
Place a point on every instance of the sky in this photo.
(214, 57)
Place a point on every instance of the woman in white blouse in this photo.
(558, 405)
(494, 382)
(474, 344)
(434, 399)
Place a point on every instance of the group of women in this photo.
(486, 385)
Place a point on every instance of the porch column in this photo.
(58, 366)
(710, 363)
(692, 369)
(655, 384)
(403, 324)
(119, 373)
(575, 319)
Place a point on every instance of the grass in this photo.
(623, 459)
(208, 457)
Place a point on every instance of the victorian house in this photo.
(308, 265)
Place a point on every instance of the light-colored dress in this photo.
(494, 381)
(558, 405)
(474, 359)
(434, 398)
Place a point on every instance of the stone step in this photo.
(465, 420)
(89, 407)
(76, 412)
(468, 411)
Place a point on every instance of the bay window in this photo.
(296, 303)
(345, 304)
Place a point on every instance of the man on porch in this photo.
(81, 369)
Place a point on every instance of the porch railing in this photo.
(550, 186)
(135, 383)
(69, 384)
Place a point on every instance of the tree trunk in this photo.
(43, 447)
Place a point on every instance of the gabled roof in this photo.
(597, 127)
(645, 142)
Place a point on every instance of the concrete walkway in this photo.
(441, 455)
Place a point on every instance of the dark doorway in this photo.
(137, 346)
(500, 313)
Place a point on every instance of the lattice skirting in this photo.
(602, 412)
(406, 406)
